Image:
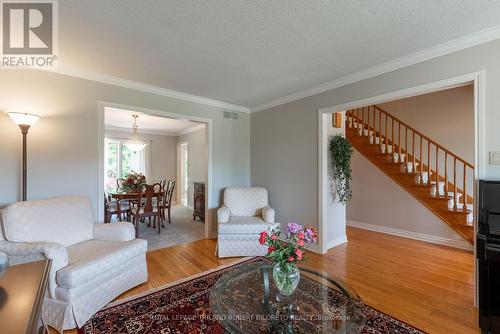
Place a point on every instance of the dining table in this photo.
(120, 195)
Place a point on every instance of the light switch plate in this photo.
(494, 158)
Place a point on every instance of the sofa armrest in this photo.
(114, 232)
(22, 252)
(268, 214)
(223, 214)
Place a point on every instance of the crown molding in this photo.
(193, 129)
(458, 44)
(125, 83)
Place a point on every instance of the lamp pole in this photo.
(24, 129)
(24, 121)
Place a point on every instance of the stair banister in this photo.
(427, 138)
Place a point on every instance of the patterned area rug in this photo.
(184, 308)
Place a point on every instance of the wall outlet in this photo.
(494, 158)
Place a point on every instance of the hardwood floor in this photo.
(425, 285)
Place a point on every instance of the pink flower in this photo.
(301, 243)
(274, 237)
(262, 239)
(270, 249)
(301, 235)
(291, 259)
(298, 252)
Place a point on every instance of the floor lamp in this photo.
(24, 121)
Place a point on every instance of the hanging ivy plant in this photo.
(341, 152)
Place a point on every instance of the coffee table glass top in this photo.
(246, 300)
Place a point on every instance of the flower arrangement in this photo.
(133, 181)
(286, 252)
(291, 248)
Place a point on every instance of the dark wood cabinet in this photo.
(199, 200)
(22, 289)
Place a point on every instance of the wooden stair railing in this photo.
(447, 175)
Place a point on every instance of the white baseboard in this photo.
(314, 248)
(335, 242)
(462, 244)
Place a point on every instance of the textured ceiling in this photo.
(251, 52)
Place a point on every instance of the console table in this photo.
(22, 289)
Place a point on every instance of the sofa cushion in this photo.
(64, 220)
(245, 225)
(245, 201)
(93, 258)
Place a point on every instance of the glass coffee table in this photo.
(245, 300)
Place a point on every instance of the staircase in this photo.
(432, 174)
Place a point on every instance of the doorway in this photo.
(474, 79)
(157, 143)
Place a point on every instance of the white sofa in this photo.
(244, 215)
(91, 263)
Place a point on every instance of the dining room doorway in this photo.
(162, 148)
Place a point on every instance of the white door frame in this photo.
(179, 169)
(477, 78)
(100, 142)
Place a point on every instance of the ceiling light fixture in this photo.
(134, 144)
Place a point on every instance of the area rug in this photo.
(183, 307)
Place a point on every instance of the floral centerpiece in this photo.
(133, 181)
(285, 251)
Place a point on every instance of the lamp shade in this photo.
(135, 147)
(23, 118)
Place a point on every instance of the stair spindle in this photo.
(428, 161)
(386, 138)
(399, 141)
(357, 120)
(368, 121)
(437, 170)
(464, 192)
(380, 127)
(406, 145)
(392, 134)
(374, 123)
(446, 174)
(455, 183)
(413, 167)
(421, 164)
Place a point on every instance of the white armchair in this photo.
(243, 216)
(91, 263)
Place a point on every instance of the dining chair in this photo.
(110, 209)
(166, 202)
(119, 184)
(149, 209)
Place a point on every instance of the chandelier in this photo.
(134, 145)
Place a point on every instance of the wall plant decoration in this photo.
(341, 153)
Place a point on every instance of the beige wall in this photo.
(162, 152)
(197, 159)
(63, 145)
(284, 155)
(377, 200)
(446, 116)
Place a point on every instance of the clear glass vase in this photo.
(286, 277)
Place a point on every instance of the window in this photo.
(120, 161)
